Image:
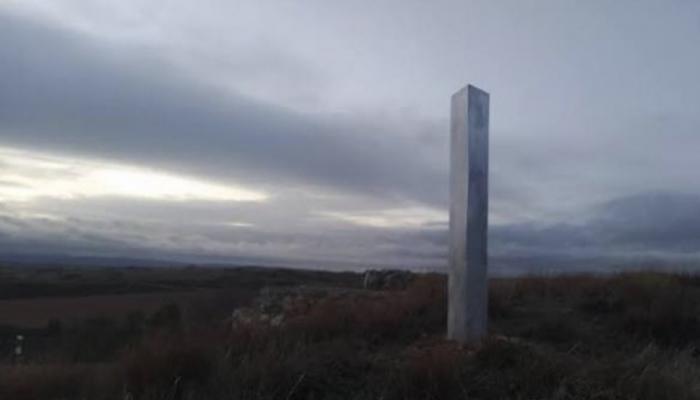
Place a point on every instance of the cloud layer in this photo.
(138, 129)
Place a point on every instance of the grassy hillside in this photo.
(632, 336)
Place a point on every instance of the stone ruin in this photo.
(386, 279)
(275, 305)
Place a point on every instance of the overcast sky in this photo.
(317, 132)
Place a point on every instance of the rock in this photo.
(277, 320)
(397, 280)
(243, 316)
(372, 280)
(274, 305)
(387, 279)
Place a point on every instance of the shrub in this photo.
(166, 364)
(57, 381)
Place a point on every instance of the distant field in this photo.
(31, 296)
(37, 312)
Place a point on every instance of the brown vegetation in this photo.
(631, 336)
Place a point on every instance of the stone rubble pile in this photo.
(275, 304)
(387, 279)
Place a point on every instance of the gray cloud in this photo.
(57, 91)
(647, 224)
(334, 108)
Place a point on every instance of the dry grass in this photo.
(630, 336)
(58, 381)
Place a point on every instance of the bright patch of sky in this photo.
(28, 175)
